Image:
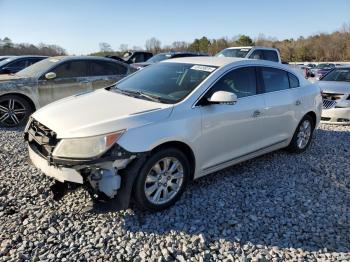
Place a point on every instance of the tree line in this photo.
(7, 47)
(333, 46)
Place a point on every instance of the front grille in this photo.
(327, 104)
(42, 137)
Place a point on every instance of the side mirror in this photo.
(50, 75)
(312, 75)
(223, 97)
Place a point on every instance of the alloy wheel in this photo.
(12, 112)
(164, 180)
(304, 134)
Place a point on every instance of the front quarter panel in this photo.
(181, 126)
(24, 87)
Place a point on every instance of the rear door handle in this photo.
(256, 113)
(298, 103)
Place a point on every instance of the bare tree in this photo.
(105, 47)
(153, 45)
(123, 47)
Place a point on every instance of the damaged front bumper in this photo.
(109, 176)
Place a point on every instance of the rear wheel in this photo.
(162, 179)
(14, 111)
(302, 136)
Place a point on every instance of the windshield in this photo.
(158, 58)
(338, 74)
(166, 82)
(39, 67)
(322, 66)
(235, 52)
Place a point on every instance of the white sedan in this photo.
(335, 88)
(172, 122)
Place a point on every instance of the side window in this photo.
(274, 79)
(257, 54)
(241, 81)
(18, 64)
(270, 55)
(293, 81)
(138, 58)
(101, 68)
(148, 56)
(33, 61)
(72, 69)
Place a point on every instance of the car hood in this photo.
(334, 87)
(99, 112)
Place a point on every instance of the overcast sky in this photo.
(79, 26)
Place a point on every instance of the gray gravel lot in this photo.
(275, 208)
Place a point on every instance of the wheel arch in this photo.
(183, 147)
(27, 98)
(312, 114)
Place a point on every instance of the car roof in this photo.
(29, 56)
(255, 47)
(61, 58)
(223, 61)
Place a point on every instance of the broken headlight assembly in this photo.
(87, 147)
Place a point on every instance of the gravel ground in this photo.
(275, 208)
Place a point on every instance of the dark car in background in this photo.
(131, 57)
(52, 79)
(163, 56)
(14, 64)
(3, 57)
(322, 69)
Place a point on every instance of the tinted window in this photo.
(101, 68)
(293, 81)
(257, 54)
(138, 58)
(240, 81)
(274, 79)
(72, 69)
(338, 74)
(18, 64)
(33, 61)
(270, 55)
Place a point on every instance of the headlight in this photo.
(86, 147)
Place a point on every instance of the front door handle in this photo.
(298, 103)
(256, 113)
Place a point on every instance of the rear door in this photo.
(282, 100)
(106, 73)
(71, 78)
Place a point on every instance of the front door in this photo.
(232, 131)
(71, 78)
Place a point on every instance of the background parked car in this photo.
(52, 79)
(335, 88)
(131, 57)
(253, 52)
(163, 56)
(322, 69)
(14, 64)
(3, 57)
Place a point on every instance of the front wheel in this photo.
(302, 136)
(14, 111)
(162, 179)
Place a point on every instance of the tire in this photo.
(296, 145)
(14, 111)
(151, 194)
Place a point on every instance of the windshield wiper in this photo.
(140, 94)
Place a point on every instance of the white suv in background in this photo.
(252, 52)
(170, 123)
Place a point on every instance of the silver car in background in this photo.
(52, 79)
